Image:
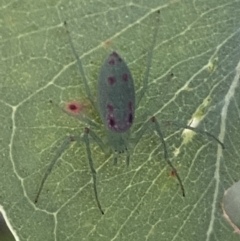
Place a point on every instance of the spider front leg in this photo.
(153, 121)
(89, 154)
(80, 67)
(83, 138)
(197, 130)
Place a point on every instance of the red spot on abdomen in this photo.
(111, 61)
(114, 57)
(110, 108)
(125, 77)
(119, 126)
(111, 80)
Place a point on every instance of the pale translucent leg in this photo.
(139, 134)
(80, 67)
(198, 130)
(149, 60)
(84, 138)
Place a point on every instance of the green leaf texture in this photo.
(194, 74)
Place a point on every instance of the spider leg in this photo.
(83, 118)
(198, 130)
(64, 146)
(149, 60)
(80, 67)
(127, 158)
(115, 158)
(139, 134)
(84, 138)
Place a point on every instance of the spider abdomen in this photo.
(116, 94)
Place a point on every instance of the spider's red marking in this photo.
(173, 173)
(125, 77)
(110, 108)
(111, 61)
(115, 56)
(111, 80)
(111, 122)
(74, 107)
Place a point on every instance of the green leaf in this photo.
(194, 75)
